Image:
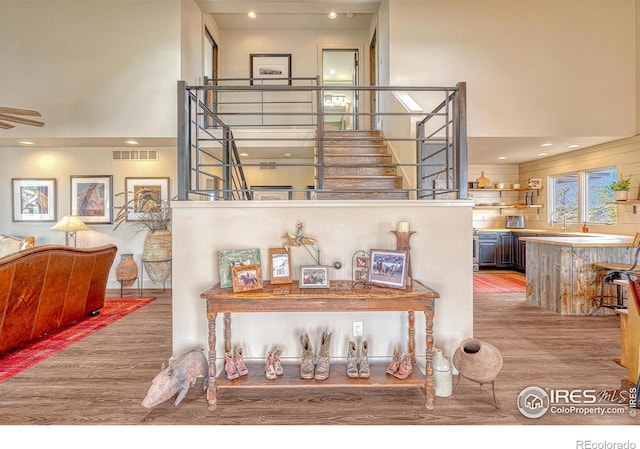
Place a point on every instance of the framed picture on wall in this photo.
(270, 68)
(91, 198)
(266, 193)
(34, 199)
(143, 194)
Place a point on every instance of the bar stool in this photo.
(615, 271)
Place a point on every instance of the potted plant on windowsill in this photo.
(621, 189)
(145, 214)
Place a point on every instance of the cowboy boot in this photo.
(352, 362)
(269, 370)
(306, 363)
(241, 367)
(277, 365)
(230, 367)
(406, 367)
(322, 368)
(364, 360)
(395, 362)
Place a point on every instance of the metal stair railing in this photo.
(219, 120)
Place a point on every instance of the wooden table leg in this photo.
(212, 390)
(429, 387)
(227, 332)
(412, 336)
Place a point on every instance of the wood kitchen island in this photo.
(560, 272)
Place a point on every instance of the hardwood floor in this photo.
(103, 378)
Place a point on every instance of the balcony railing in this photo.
(288, 126)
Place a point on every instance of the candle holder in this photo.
(402, 243)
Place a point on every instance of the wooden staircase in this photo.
(357, 168)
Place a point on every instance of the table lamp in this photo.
(70, 224)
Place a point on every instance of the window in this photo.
(582, 197)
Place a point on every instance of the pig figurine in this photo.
(177, 378)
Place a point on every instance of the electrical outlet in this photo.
(357, 328)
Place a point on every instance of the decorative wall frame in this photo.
(235, 257)
(534, 183)
(91, 198)
(314, 276)
(280, 265)
(388, 268)
(274, 68)
(143, 193)
(272, 192)
(246, 277)
(34, 199)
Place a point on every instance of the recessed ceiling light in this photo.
(288, 154)
(503, 157)
(26, 142)
(546, 144)
(132, 142)
(542, 154)
(574, 145)
(350, 15)
(244, 154)
(333, 15)
(252, 14)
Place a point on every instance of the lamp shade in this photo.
(70, 223)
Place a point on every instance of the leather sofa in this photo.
(47, 287)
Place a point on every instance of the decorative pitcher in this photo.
(127, 270)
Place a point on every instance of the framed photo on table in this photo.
(246, 277)
(91, 198)
(34, 199)
(280, 265)
(144, 193)
(388, 268)
(270, 68)
(235, 257)
(314, 276)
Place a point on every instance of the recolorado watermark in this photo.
(589, 444)
(534, 402)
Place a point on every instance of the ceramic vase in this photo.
(477, 360)
(127, 270)
(156, 254)
(442, 378)
(621, 195)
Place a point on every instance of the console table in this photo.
(340, 297)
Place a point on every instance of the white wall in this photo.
(191, 43)
(533, 68)
(93, 69)
(440, 257)
(61, 164)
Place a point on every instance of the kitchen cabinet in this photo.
(519, 251)
(495, 249)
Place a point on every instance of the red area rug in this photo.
(18, 360)
(499, 283)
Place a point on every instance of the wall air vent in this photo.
(267, 165)
(135, 155)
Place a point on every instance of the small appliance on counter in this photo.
(514, 222)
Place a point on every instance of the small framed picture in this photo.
(229, 258)
(34, 199)
(535, 183)
(274, 68)
(246, 277)
(91, 198)
(314, 276)
(280, 265)
(144, 194)
(388, 268)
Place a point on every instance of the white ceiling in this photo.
(313, 14)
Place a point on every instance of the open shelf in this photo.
(337, 378)
(633, 203)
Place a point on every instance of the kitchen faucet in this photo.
(563, 227)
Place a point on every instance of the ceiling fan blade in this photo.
(4, 125)
(23, 121)
(18, 111)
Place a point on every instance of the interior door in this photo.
(373, 96)
(340, 70)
